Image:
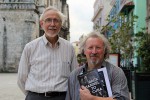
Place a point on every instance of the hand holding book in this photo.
(97, 82)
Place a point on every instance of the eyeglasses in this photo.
(49, 20)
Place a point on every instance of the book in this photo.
(97, 82)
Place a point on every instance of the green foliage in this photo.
(121, 39)
(81, 59)
(143, 49)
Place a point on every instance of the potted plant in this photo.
(142, 73)
(142, 38)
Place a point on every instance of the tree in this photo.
(122, 36)
(81, 59)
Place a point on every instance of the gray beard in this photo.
(94, 63)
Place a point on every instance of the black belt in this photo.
(50, 94)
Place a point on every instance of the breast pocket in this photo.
(65, 70)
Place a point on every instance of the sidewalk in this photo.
(8, 87)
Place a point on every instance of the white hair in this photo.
(61, 15)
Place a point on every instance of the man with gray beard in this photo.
(96, 49)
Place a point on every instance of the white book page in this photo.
(106, 80)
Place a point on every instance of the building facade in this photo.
(111, 9)
(148, 15)
(101, 11)
(130, 8)
(19, 24)
(76, 47)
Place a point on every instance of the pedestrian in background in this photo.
(47, 61)
(96, 48)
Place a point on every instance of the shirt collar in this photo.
(46, 42)
(85, 67)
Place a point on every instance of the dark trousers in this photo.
(33, 96)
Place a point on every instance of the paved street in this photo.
(8, 87)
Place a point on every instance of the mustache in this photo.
(94, 55)
(52, 28)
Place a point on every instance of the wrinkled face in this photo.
(94, 51)
(51, 23)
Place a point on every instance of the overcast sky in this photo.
(81, 13)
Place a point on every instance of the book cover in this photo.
(97, 82)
